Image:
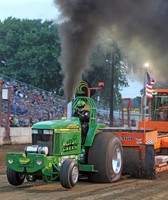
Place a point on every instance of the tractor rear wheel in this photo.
(14, 178)
(107, 157)
(69, 173)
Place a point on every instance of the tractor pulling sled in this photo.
(58, 152)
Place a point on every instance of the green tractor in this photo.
(58, 153)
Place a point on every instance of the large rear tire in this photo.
(69, 173)
(106, 155)
(14, 178)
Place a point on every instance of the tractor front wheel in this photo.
(69, 173)
(107, 157)
(14, 178)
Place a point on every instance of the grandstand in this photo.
(30, 104)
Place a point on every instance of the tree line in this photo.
(30, 51)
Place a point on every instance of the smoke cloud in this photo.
(139, 26)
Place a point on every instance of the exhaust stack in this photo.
(69, 110)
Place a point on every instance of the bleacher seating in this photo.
(30, 104)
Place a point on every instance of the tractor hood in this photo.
(74, 123)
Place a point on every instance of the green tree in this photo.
(29, 51)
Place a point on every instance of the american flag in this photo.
(149, 86)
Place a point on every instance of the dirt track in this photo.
(126, 188)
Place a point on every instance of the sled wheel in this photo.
(14, 178)
(69, 173)
(106, 156)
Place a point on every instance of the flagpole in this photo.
(148, 85)
(145, 101)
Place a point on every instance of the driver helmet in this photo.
(80, 105)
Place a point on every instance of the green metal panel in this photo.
(91, 133)
(36, 158)
(26, 163)
(57, 149)
(86, 168)
(68, 143)
(32, 163)
(57, 124)
(12, 161)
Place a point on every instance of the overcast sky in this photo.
(45, 9)
(31, 9)
(133, 90)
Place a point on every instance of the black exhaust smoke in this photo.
(140, 26)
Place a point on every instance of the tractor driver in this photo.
(83, 115)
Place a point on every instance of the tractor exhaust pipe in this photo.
(69, 110)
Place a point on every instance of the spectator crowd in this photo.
(29, 104)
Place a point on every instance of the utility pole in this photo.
(112, 91)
